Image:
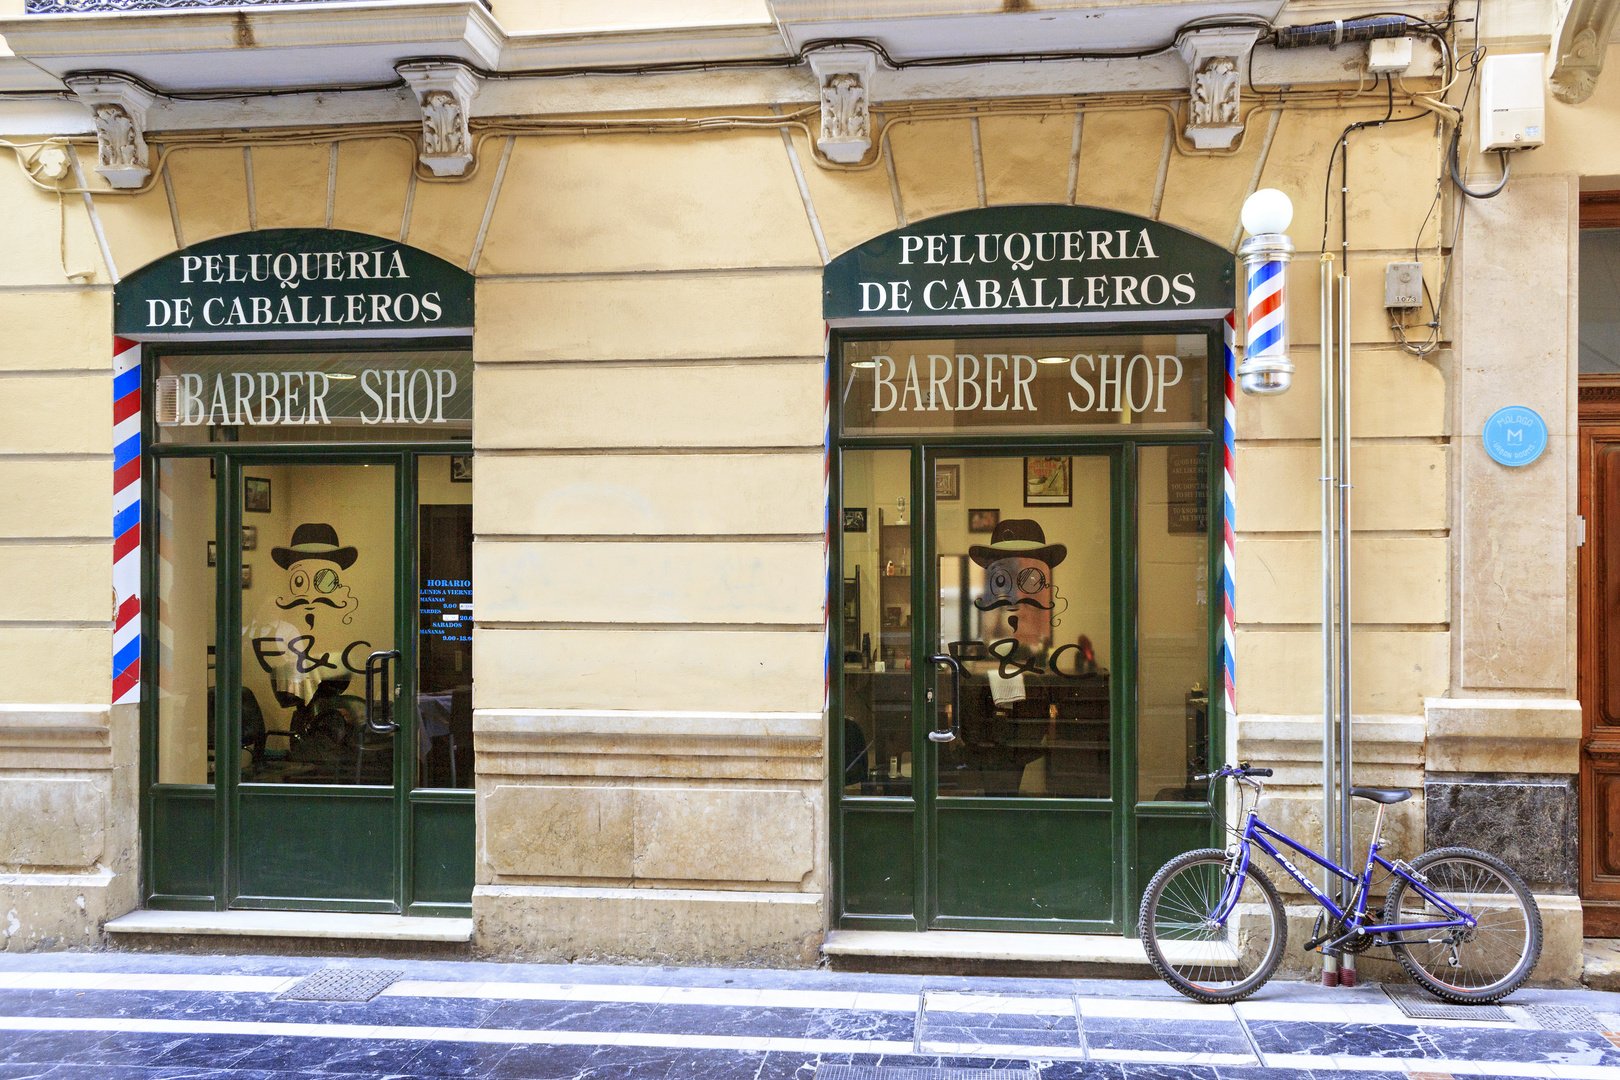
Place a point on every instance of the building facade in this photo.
(540, 466)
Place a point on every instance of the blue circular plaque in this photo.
(1515, 435)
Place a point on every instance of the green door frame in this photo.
(219, 866)
(1179, 826)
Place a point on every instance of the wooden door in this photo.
(1598, 683)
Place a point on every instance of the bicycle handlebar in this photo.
(1240, 770)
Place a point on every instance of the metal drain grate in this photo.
(1564, 1017)
(342, 984)
(1420, 1005)
(894, 1072)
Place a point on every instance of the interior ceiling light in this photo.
(864, 365)
(1053, 360)
(339, 375)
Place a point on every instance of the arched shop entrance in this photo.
(1027, 407)
(304, 594)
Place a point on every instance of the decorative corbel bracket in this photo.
(118, 107)
(1215, 64)
(844, 81)
(1582, 42)
(445, 92)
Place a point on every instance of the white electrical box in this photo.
(1389, 56)
(1512, 101)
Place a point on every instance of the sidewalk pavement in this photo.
(143, 1016)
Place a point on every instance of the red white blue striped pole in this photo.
(1266, 368)
(1228, 526)
(126, 521)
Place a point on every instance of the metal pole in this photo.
(1330, 966)
(1347, 967)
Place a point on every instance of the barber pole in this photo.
(1228, 519)
(126, 521)
(1265, 255)
(827, 524)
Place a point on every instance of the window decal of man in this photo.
(311, 582)
(1018, 566)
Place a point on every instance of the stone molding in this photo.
(445, 93)
(648, 744)
(844, 87)
(1215, 64)
(118, 109)
(1388, 749)
(1583, 42)
(1503, 735)
(55, 738)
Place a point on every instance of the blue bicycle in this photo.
(1460, 921)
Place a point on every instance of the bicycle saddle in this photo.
(1381, 794)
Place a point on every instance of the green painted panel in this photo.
(1025, 863)
(443, 838)
(879, 862)
(323, 845)
(183, 846)
(1160, 839)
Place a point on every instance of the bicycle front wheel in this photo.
(1468, 966)
(1208, 959)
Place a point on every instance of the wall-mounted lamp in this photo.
(1266, 368)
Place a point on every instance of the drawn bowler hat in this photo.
(1018, 538)
(314, 541)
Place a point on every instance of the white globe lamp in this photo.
(1266, 368)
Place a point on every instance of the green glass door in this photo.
(1023, 605)
(319, 775)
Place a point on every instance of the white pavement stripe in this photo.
(1154, 1009)
(996, 1004)
(1454, 1066)
(509, 991)
(1004, 1050)
(1360, 1015)
(739, 1043)
(1172, 1057)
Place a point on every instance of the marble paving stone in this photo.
(1015, 1020)
(169, 1051)
(317, 1055)
(40, 1047)
(469, 1059)
(631, 1063)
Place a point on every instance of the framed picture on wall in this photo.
(213, 553)
(461, 468)
(256, 494)
(1048, 481)
(983, 520)
(855, 519)
(247, 577)
(947, 483)
(250, 538)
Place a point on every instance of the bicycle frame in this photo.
(1257, 832)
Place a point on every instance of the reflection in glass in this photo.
(1172, 741)
(317, 600)
(186, 565)
(444, 749)
(877, 622)
(1026, 606)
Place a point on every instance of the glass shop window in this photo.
(877, 621)
(1173, 621)
(187, 556)
(1600, 302)
(444, 621)
(420, 396)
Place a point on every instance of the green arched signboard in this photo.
(1034, 263)
(295, 282)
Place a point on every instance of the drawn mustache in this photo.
(1022, 601)
(299, 601)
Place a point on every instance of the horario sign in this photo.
(296, 283)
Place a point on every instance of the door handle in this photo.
(377, 678)
(948, 732)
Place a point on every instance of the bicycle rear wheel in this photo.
(1205, 960)
(1484, 964)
